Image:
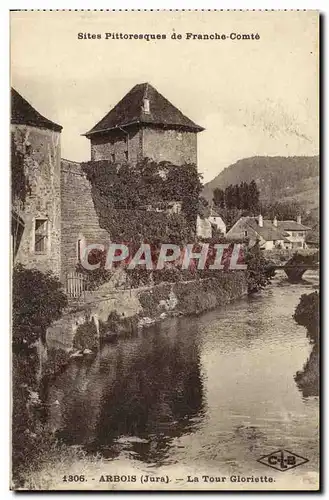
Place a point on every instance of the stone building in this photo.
(58, 218)
(36, 221)
(270, 234)
(144, 124)
(80, 223)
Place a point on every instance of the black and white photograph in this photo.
(165, 250)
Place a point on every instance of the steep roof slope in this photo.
(268, 231)
(22, 113)
(130, 110)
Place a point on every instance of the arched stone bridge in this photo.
(297, 266)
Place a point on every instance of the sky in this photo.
(253, 97)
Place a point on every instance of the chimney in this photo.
(275, 222)
(146, 105)
(260, 220)
(299, 219)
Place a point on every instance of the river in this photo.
(203, 395)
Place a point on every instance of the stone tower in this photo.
(144, 124)
(36, 225)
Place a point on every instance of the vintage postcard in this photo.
(165, 250)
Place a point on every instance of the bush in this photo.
(259, 271)
(38, 300)
(117, 325)
(307, 314)
(86, 336)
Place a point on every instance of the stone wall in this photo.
(170, 145)
(117, 143)
(146, 305)
(79, 218)
(41, 149)
(147, 142)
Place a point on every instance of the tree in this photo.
(283, 210)
(253, 197)
(241, 196)
(307, 314)
(219, 198)
(259, 272)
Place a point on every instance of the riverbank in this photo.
(210, 393)
(108, 314)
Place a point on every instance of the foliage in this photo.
(277, 177)
(283, 210)
(95, 277)
(20, 186)
(304, 258)
(259, 271)
(196, 296)
(230, 216)
(117, 325)
(307, 314)
(243, 196)
(86, 336)
(126, 198)
(150, 299)
(38, 300)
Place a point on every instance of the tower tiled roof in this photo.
(22, 113)
(130, 110)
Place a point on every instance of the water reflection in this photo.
(213, 393)
(136, 395)
(307, 379)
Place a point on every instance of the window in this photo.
(126, 155)
(301, 234)
(113, 158)
(40, 235)
(246, 233)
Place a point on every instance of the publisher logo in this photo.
(282, 460)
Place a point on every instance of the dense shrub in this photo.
(307, 314)
(86, 336)
(37, 300)
(202, 295)
(197, 296)
(259, 271)
(117, 325)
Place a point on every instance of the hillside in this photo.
(278, 178)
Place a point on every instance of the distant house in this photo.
(296, 232)
(203, 228)
(215, 219)
(271, 234)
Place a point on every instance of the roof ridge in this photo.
(128, 111)
(145, 96)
